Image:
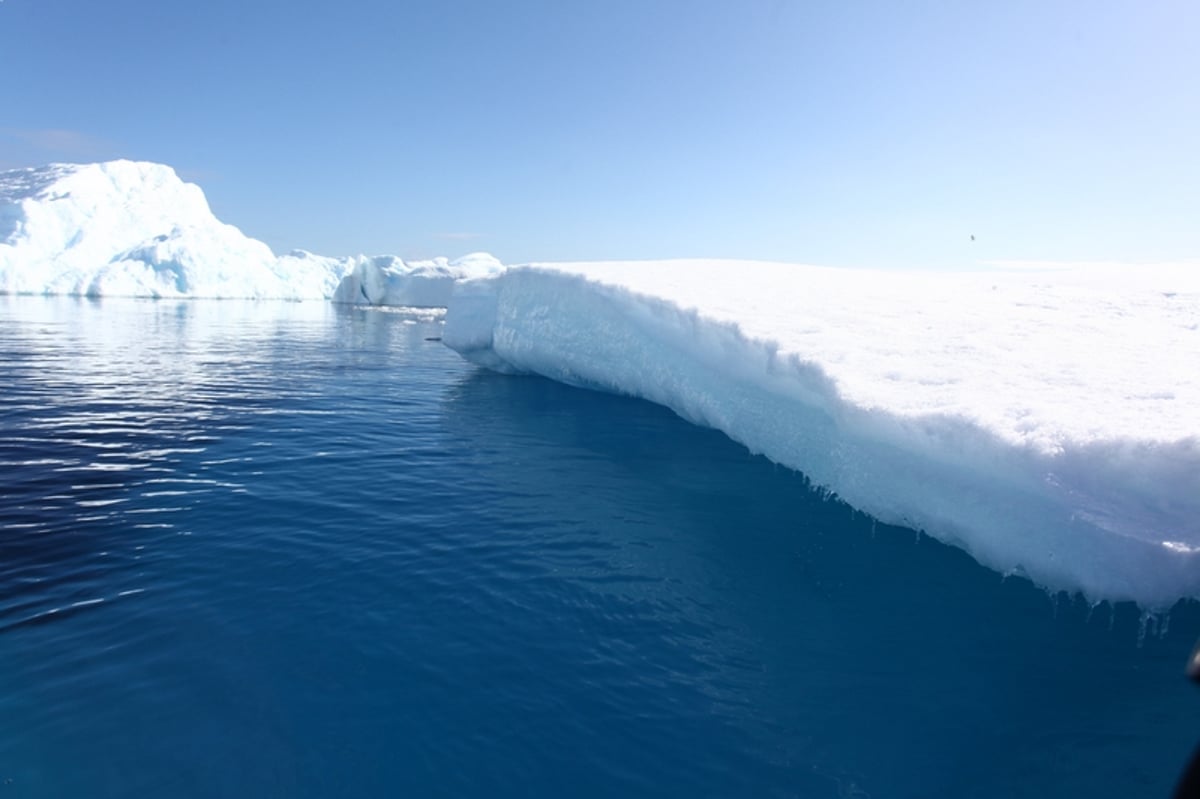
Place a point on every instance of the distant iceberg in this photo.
(1047, 422)
(134, 229)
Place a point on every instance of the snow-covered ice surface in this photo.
(1046, 421)
(134, 229)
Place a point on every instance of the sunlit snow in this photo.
(1045, 420)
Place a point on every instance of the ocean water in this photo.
(296, 550)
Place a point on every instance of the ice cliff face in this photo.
(125, 228)
(1047, 422)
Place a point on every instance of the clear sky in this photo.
(855, 132)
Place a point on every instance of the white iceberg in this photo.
(1046, 421)
(134, 229)
(388, 280)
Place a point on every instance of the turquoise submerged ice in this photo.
(1045, 420)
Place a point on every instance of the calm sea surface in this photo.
(295, 550)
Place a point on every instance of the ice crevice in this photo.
(1036, 483)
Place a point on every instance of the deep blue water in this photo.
(294, 550)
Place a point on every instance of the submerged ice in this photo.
(1048, 422)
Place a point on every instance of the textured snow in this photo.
(1045, 420)
(134, 229)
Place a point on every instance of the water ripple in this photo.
(289, 550)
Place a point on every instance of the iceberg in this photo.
(388, 280)
(134, 229)
(1047, 421)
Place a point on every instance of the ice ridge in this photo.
(1042, 421)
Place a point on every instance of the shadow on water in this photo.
(865, 657)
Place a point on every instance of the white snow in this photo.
(1045, 420)
(124, 228)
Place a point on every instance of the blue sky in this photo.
(850, 133)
